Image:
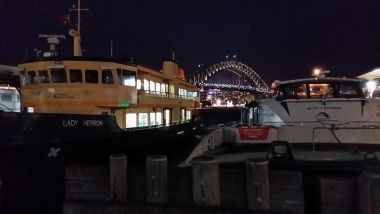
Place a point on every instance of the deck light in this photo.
(371, 86)
(318, 73)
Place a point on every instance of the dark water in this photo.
(36, 184)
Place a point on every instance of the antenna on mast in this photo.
(76, 33)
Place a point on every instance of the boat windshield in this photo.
(319, 90)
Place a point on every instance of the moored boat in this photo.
(106, 104)
(314, 111)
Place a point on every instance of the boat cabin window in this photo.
(58, 75)
(91, 76)
(158, 87)
(6, 97)
(188, 115)
(31, 77)
(127, 78)
(138, 84)
(152, 86)
(43, 76)
(152, 118)
(143, 119)
(75, 76)
(158, 118)
(130, 120)
(348, 91)
(293, 91)
(107, 77)
(321, 90)
(183, 115)
(146, 86)
(163, 92)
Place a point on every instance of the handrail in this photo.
(319, 122)
(157, 126)
(332, 128)
(165, 94)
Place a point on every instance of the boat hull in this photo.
(42, 135)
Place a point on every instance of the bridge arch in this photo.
(252, 80)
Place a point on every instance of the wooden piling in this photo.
(257, 184)
(369, 189)
(118, 177)
(156, 179)
(206, 184)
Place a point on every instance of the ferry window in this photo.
(158, 118)
(43, 76)
(158, 86)
(152, 86)
(107, 77)
(143, 119)
(91, 76)
(130, 120)
(146, 85)
(75, 75)
(183, 114)
(195, 94)
(31, 75)
(162, 90)
(138, 84)
(6, 97)
(348, 91)
(188, 115)
(127, 78)
(58, 75)
(152, 118)
(321, 90)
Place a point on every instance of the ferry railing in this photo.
(166, 94)
(159, 125)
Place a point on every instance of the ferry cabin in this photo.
(138, 96)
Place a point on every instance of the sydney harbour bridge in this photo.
(228, 82)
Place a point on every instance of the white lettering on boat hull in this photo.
(92, 123)
(85, 123)
(66, 123)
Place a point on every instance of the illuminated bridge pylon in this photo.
(229, 75)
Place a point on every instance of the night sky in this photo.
(279, 39)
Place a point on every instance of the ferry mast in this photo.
(76, 33)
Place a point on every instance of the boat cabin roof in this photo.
(320, 80)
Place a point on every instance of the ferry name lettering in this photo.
(324, 108)
(66, 123)
(92, 123)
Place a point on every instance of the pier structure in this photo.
(272, 178)
(210, 185)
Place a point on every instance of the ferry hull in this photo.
(42, 135)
